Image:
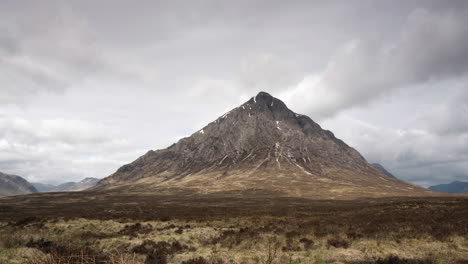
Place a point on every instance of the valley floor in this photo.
(205, 230)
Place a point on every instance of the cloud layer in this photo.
(429, 47)
(85, 90)
(59, 150)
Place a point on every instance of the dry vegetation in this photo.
(432, 231)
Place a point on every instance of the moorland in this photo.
(85, 227)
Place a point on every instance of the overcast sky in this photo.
(87, 86)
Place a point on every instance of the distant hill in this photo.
(43, 187)
(383, 170)
(75, 186)
(454, 187)
(14, 185)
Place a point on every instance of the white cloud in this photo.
(450, 117)
(52, 48)
(422, 156)
(60, 150)
(266, 72)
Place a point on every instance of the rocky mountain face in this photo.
(454, 187)
(383, 170)
(14, 185)
(259, 146)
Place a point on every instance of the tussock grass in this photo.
(406, 233)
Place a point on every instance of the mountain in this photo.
(43, 187)
(67, 186)
(454, 187)
(383, 170)
(75, 186)
(259, 147)
(14, 185)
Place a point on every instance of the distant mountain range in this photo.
(454, 187)
(43, 187)
(67, 186)
(14, 185)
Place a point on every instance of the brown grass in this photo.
(393, 231)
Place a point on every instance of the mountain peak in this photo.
(89, 179)
(265, 102)
(262, 97)
(261, 144)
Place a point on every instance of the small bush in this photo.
(354, 235)
(290, 246)
(135, 229)
(26, 220)
(199, 260)
(338, 243)
(157, 253)
(41, 244)
(398, 260)
(12, 240)
(156, 258)
(164, 218)
(66, 253)
(292, 234)
(272, 249)
(147, 247)
(171, 226)
(230, 238)
(88, 235)
(308, 243)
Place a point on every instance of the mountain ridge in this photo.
(43, 187)
(382, 169)
(453, 187)
(67, 186)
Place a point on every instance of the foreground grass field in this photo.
(150, 230)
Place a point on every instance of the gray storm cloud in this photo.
(431, 46)
(90, 85)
